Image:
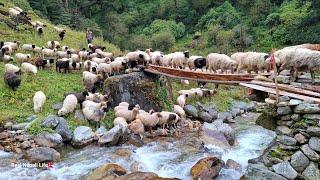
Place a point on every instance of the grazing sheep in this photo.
(81, 97)
(83, 55)
(97, 97)
(63, 65)
(61, 32)
(129, 115)
(149, 120)
(75, 57)
(181, 100)
(28, 47)
(92, 81)
(53, 44)
(6, 58)
(95, 115)
(179, 59)
(104, 54)
(118, 64)
(179, 110)
(63, 54)
(14, 13)
(91, 104)
(23, 57)
(12, 80)
(48, 52)
(12, 68)
(137, 127)
(104, 68)
(14, 45)
(76, 65)
(28, 68)
(101, 60)
(43, 63)
(190, 93)
(6, 49)
(221, 61)
(253, 61)
(39, 23)
(37, 49)
(69, 105)
(120, 121)
(39, 30)
(39, 99)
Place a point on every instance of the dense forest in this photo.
(224, 26)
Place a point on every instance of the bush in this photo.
(177, 29)
(163, 40)
(140, 42)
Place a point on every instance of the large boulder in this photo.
(191, 111)
(82, 136)
(20, 126)
(112, 137)
(311, 172)
(311, 154)
(219, 132)
(42, 154)
(260, 172)
(313, 131)
(109, 170)
(49, 140)
(51, 121)
(231, 164)
(61, 128)
(205, 117)
(314, 143)
(285, 169)
(207, 168)
(299, 161)
(128, 88)
(306, 108)
(135, 140)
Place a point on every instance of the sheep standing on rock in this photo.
(179, 110)
(69, 105)
(179, 59)
(28, 68)
(129, 115)
(120, 121)
(39, 99)
(12, 80)
(181, 100)
(118, 64)
(137, 127)
(221, 61)
(149, 120)
(95, 115)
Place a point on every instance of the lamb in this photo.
(253, 61)
(12, 80)
(69, 105)
(137, 127)
(118, 64)
(179, 110)
(81, 97)
(179, 59)
(53, 44)
(23, 57)
(221, 61)
(95, 115)
(120, 121)
(63, 65)
(48, 52)
(43, 62)
(60, 31)
(39, 30)
(7, 58)
(129, 115)
(14, 45)
(101, 60)
(12, 68)
(181, 100)
(104, 68)
(29, 68)
(149, 120)
(39, 99)
(28, 47)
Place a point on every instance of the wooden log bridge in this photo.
(231, 79)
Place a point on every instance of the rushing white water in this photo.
(172, 158)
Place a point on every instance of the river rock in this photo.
(49, 140)
(218, 132)
(315, 117)
(284, 99)
(314, 143)
(191, 111)
(8, 125)
(31, 118)
(294, 102)
(50, 121)
(241, 105)
(207, 168)
(101, 130)
(284, 130)
(108, 171)
(25, 145)
(63, 129)
(285, 169)
(236, 112)
(311, 172)
(42, 154)
(282, 104)
(205, 117)
(231, 164)
(225, 116)
(284, 110)
(299, 161)
(123, 152)
(307, 108)
(313, 131)
(19, 126)
(57, 106)
(135, 140)
(311, 154)
(260, 172)
(112, 137)
(286, 140)
(140, 176)
(82, 136)
(301, 139)
(4, 135)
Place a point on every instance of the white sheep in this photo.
(28, 68)
(13, 12)
(14, 45)
(39, 23)
(179, 110)
(23, 57)
(104, 54)
(37, 49)
(69, 105)
(92, 55)
(7, 58)
(149, 120)
(48, 52)
(104, 68)
(190, 93)
(221, 61)
(95, 115)
(120, 121)
(28, 47)
(65, 48)
(137, 127)
(63, 54)
(17, 8)
(118, 64)
(100, 60)
(83, 55)
(253, 61)
(181, 100)
(156, 57)
(11, 68)
(39, 99)
(92, 104)
(8, 49)
(179, 59)
(53, 44)
(167, 60)
(129, 115)
(75, 57)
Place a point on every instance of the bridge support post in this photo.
(169, 87)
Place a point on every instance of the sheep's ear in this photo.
(159, 115)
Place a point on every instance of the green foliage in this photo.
(163, 40)
(140, 42)
(157, 26)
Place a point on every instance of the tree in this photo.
(163, 40)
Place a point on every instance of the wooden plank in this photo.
(195, 79)
(281, 92)
(288, 88)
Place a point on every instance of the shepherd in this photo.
(89, 36)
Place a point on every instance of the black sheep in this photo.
(61, 35)
(62, 65)
(43, 62)
(199, 63)
(12, 79)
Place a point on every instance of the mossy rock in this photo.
(268, 119)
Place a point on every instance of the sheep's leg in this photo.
(312, 76)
